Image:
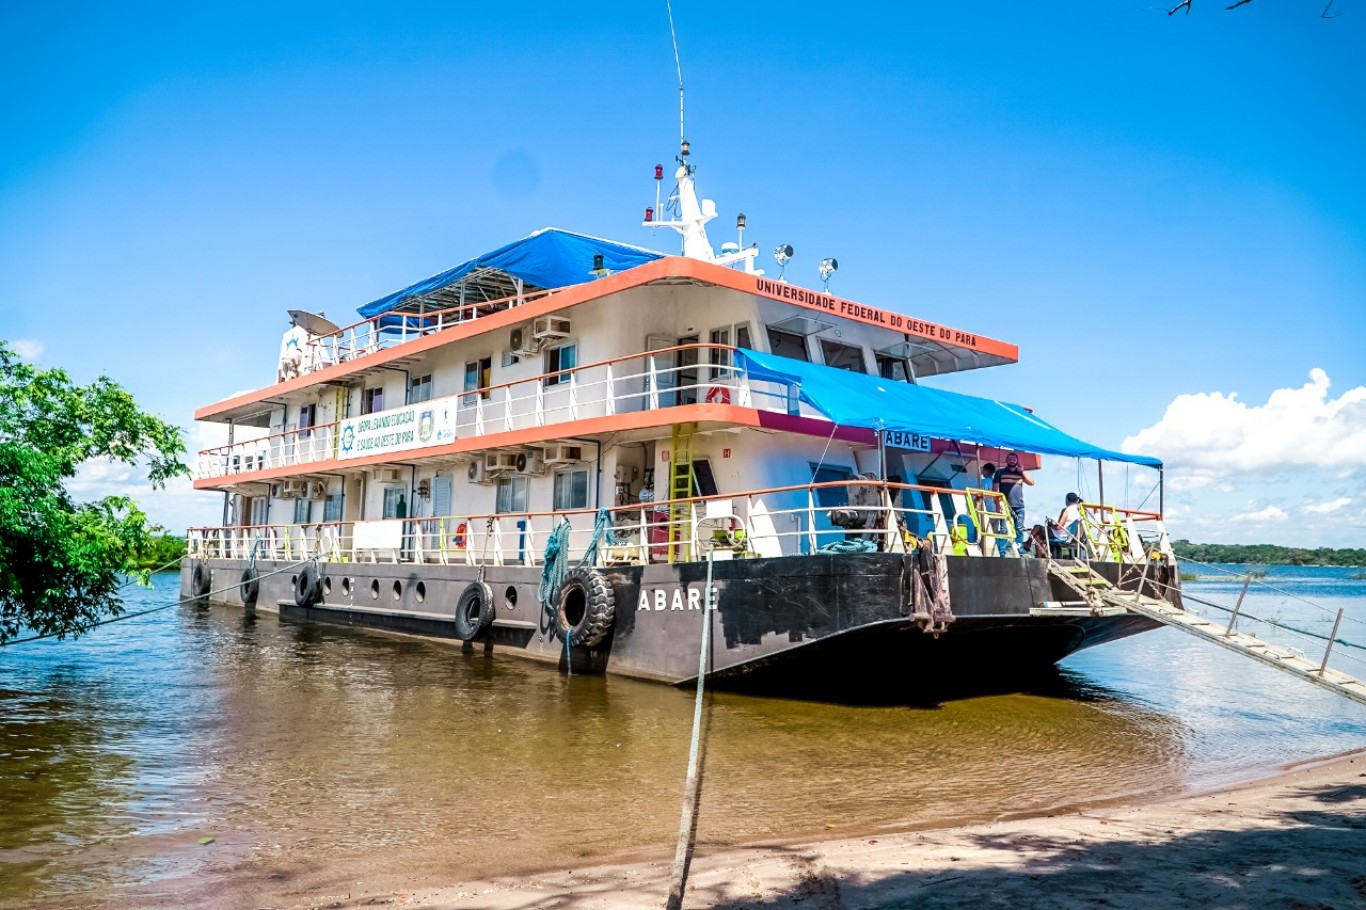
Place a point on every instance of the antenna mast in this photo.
(678, 66)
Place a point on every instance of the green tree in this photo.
(62, 562)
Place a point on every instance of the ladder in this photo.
(1099, 594)
(680, 490)
(993, 520)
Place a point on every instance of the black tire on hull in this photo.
(249, 587)
(307, 589)
(201, 580)
(473, 611)
(585, 608)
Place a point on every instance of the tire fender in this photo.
(249, 587)
(307, 589)
(474, 611)
(585, 608)
(201, 580)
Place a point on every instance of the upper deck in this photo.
(424, 324)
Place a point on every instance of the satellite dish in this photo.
(313, 323)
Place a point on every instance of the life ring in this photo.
(473, 611)
(461, 537)
(201, 580)
(585, 608)
(307, 590)
(249, 587)
(718, 394)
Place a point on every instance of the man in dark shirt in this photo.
(1010, 481)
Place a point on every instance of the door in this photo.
(687, 371)
(665, 378)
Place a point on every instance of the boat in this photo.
(547, 450)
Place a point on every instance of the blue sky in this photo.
(1167, 215)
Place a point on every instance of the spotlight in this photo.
(828, 267)
(782, 255)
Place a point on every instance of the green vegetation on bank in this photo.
(63, 562)
(163, 551)
(1267, 554)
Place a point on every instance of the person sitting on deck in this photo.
(1063, 534)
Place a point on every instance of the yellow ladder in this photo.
(988, 510)
(1104, 531)
(680, 489)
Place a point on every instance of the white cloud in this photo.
(1209, 437)
(1323, 508)
(28, 349)
(1266, 515)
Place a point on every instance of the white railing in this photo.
(639, 382)
(784, 521)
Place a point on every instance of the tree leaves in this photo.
(62, 562)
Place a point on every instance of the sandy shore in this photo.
(1295, 841)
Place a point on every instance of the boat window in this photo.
(511, 495)
(718, 358)
(565, 357)
(478, 375)
(420, 389)
(303, 511)
(571, 489)
(703, 481)
(395, 503)
(260, 510)
(787, 344)
(828, 497)
(308, 417)
(332, 507)
(372, 400)
(894, 368)
(742, 336)
(843, 356)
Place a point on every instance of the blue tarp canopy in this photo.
(859, 400)
(549, 258)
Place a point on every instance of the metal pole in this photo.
(1247, 580)
(1100, 474)
(1162, 492)
(1331, 638)
(683, 855)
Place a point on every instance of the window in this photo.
(571, 490)
(843, 356)
(372, 400)
(786, 344)
(720, 359)
(896, 368)
(332, 508)
(308, 417)
(478, 377)
(831, 497)
(511, 495)
(420, 389)
(303, 511)
(260, 510)
(742, 336)
(565, 357)
(395, 503)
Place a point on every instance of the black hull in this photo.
(802, 626)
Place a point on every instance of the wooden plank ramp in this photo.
(1100, 593)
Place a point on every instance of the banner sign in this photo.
(427, 423)
(897, 439)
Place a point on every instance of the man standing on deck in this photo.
(1010, 481)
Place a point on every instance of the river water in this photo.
(297, 746)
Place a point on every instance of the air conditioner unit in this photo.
(546, 327)
(293, 489)
(474, 472)
(317, 490)
(563, 454)
(529, 462)
(388, 475)
(500, 462)
(521, 344)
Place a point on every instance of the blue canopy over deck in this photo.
(860, 400)
(549, 258)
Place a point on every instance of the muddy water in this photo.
(296, 747)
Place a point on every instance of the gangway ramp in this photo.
(1101, 596)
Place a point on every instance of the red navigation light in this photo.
(659, 172)
(649, 213)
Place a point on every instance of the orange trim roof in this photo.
(671, 267)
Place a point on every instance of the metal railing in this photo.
(651, 380)
(782, 521)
